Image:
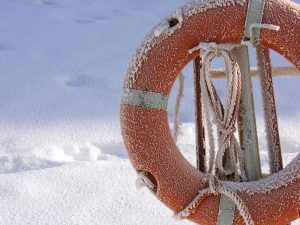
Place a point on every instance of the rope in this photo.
(225, 162)
(179, 98)
(215, 187)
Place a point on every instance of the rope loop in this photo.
(215, 187)
(224, 115)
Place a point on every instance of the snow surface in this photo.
(62, 159)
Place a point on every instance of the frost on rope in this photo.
(212, 46)
(224, 117)
(231, 189)
(164, 30)
(215, 187)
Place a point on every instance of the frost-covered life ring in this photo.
(163, 54)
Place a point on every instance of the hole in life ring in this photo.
(153, 180)
(173, 22)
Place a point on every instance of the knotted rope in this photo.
(215, 187)
(224, 117)
(225, 163)
(228, 163)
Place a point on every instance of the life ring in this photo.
(274, 200)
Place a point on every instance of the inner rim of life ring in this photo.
(149, 174)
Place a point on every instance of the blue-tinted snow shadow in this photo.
(114, 149)
(15, 164)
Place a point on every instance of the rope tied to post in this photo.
(215, 186)
(225, 162)
(224, 118)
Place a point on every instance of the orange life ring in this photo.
(274, 200)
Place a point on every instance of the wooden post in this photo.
(247, 121)
(269, 106)
(177, 107)
(199, 128)
(270, 114)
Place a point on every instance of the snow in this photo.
(79, 194)
(62, 159)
